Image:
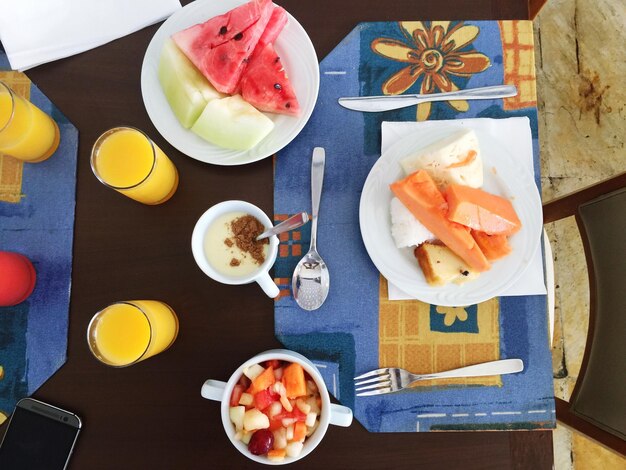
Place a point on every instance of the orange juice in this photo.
(126, 160)
(26, 132)
(129, 332)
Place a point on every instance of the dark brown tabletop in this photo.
(151, 415)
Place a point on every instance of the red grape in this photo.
(261, 442)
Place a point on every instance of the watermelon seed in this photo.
(223, 30)
(277, 59)
(277, 86)
(238, 37)
(288, 105)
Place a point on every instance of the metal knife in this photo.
(373, 104)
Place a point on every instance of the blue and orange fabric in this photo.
(359, 328)
(37, 219)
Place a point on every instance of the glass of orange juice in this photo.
(125, 159)
(125, 333)
(26, 132)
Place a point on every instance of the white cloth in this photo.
(516, 136)
(34, 32)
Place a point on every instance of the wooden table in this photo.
(151, 415)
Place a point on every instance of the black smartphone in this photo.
(39, 436)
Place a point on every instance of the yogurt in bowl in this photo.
(224, 245)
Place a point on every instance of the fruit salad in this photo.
(275, 407)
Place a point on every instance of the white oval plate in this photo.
(503, 176)
(297, 54)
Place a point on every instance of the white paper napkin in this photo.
(34, 32)
(515, 135)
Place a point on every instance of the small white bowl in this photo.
(330, 412)
(261, 275)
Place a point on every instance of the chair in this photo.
(597, 406)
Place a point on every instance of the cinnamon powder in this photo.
(245, 229)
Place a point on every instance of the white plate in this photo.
(297, 54)
(503, 176)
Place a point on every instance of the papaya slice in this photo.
(481, 210)
(419, 193)
(493, 246)
(293, 380)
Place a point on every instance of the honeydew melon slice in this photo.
(186, 89)
(232, 123)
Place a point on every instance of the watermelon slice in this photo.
(223, 64)
(275, 25)
(218, 29)
(265, 84)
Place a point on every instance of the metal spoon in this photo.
(291, 223)
(311, 281)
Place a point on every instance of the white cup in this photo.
(261, 274)
(330, 412)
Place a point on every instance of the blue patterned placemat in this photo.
(37, 219)
(357, 329)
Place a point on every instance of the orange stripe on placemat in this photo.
(407, 340)
(518, 55)
(10, 168)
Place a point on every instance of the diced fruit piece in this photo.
(276, 455)
(493, 246)
(253, 371)
(313, 404)
(236, 395)
(232, 123)
(311, 429)
(299, 431)
(293, 379)
(246, 399)
(286, 403)
(278, 373)
(245, 437)
(481, 210)
(186, 90)
(311, 387)
(441, 265)
(274, 364)
(310, 419)
(294, 448)
(237, 414)
(420, 195)
(223, 64)
(254, 419)
(288, 422)
(261, 442)
(265, 84)
(265, 398)
(303, 406)
(274, 409)
(280, 438)
(263, 381)
(275, 423)
(289, 432)
(244, 381)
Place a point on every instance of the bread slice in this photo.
(440, 265)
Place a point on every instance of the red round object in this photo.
(17, 278)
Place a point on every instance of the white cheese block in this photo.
(406, 230)
(455, 159)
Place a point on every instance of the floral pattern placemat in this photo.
(359, 328)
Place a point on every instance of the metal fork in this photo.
(393, 379)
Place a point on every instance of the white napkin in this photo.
(34, 32)
(515, 135)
